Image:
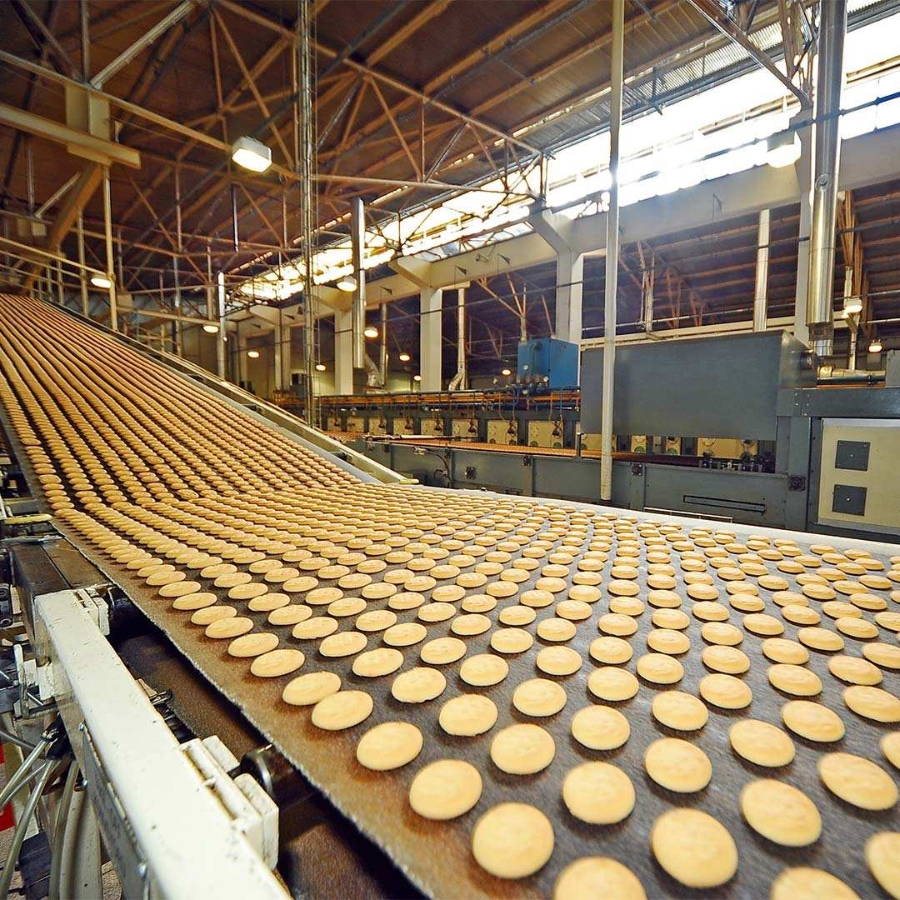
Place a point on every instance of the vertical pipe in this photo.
(60, 287)
(234, 219)
(357, 237)
(383, 349)
(612, 250)
(762, 273)
(29, 174)
(461, 378)
(82, 274)
(85, 42)
(110, 271)
(179, 247)
(222, 336)
(210, 286)
(649, 286)
(820, 309)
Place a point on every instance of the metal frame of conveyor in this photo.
(174, 817)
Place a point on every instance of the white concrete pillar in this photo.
(430, 338)
(761, 295)
(343, 352)
(241, 356)
(282, 338)
(569, 291)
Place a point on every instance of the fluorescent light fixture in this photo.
(506, 372)
(320, 367)
(852, 305)
(370, 331)
(211, 329)
(347, 284)
(783, 149)
(404, 357)
(417, 377)
(101, 281)
(251, 154)
(875, 346)
(253, 354)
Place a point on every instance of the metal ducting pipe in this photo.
(358, 308)
(458, 382)
(822, 241)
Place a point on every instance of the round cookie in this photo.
(445, 789)
(694, 848)
(781, 813)
(858, 781)
(512, 840)
(389, 746)
(600, 728)
(598, 793)
(522, 749)
(594, 877)
(761, 743)
(678, 765)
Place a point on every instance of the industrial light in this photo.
(853, 306)
(347, 284)
(251, 154)
(782, 149)
(875, 346)
(320, 367)
(370, 331)
(417, 377)
(101, 281)
(211, 329)
(404, 357)
(253, 354)
(506, 372)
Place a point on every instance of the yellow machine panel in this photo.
(638, 443)
(356, 424)
(591, 441)
(502, 431)
(377, 426)
(403, 426)
(725, 448)
(465, 428)
(432, 427)
(545, 434)
(859, 483)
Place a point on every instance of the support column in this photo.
(282, 340)
(569, 291)
(343, 352)
(612, 251)
(241, 357)
(430, 338)
(222, 336)
(760, 297)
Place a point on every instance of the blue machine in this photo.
(547, 363)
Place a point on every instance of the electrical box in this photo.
(858, 486)
(548, 363)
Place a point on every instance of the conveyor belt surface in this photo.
(144, 470)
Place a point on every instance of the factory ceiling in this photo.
(411, 99)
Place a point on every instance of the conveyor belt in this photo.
(132, 456)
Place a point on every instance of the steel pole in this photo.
(110, 262)
(357, 237)
(612, 250)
